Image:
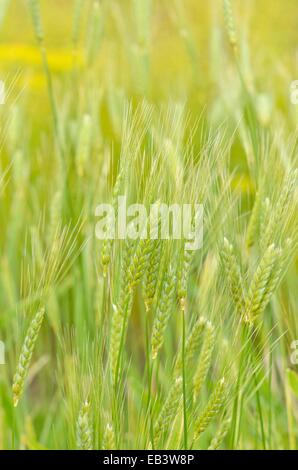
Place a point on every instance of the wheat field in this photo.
(140, 343)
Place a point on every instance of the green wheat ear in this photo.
(107, 245)
(230, 24)
(192, 344)
(168, 411)
(183, 276)
(258, 290)
(26, 355)
(121, 311)
(84, 433)
(212, 408)
(151, 278)
(163, 312)
(109, 438)
(205, 359)
(34, 7)
(220, 434)
(273, 226)
(233, 274)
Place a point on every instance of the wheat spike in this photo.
(212, 408)
(274, 226)
(84, 433)
(121, 310)
(34, 8)
(205, 359)
(109, 438)
(258, 286)
(230, 24)
(151, 279)
(192, 344)
(220, 434)
(139, 262)
(163, 312)
(144, 251)
(107, 244)
(168, 411)
(279, 265)
(183, 276)
(234, 278)
(26, 355)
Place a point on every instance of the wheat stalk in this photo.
(84, 143)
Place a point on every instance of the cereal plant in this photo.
(148, 199)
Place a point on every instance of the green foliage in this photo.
(163, 102)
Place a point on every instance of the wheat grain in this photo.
(234, 278)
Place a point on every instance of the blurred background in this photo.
(160, 53)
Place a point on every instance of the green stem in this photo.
(184, 383)
(149, 380)
(259, 407)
